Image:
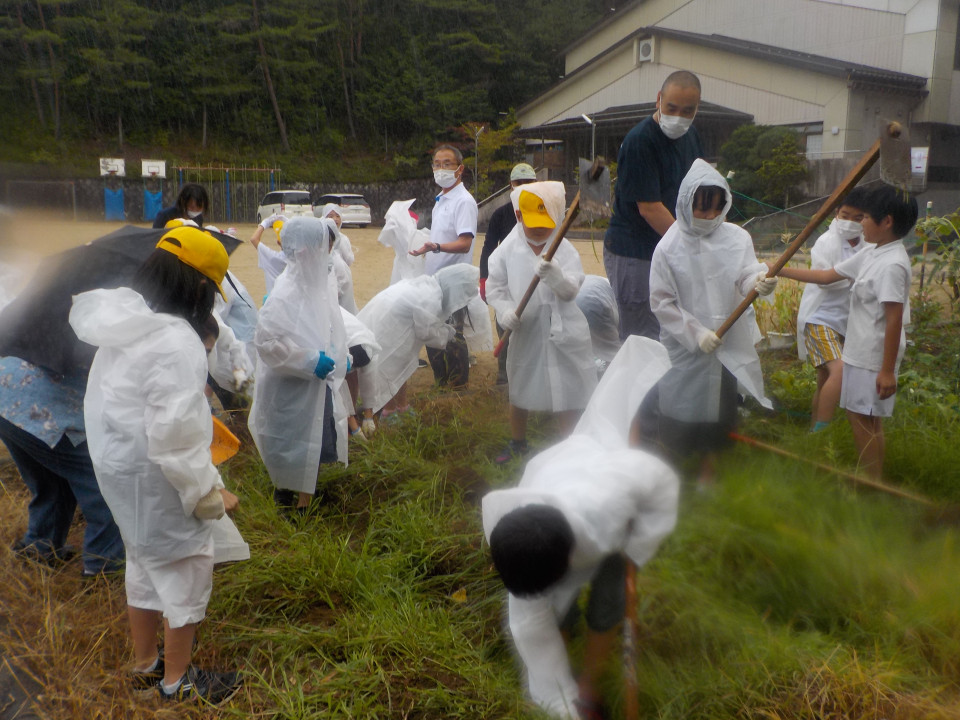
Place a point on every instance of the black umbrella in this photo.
(35, 326)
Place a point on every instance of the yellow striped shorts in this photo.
(823, 343)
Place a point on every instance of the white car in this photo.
(285, 202)
(353, 209)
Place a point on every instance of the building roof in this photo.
(865, 75)
(861, 76)
(623, 117)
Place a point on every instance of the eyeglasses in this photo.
(445, 165)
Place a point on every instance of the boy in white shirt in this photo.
(879, 309)
(823, 312)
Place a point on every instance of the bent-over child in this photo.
(583, 508)
(879, 309)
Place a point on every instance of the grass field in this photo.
(784, 593)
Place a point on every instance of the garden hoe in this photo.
(594, 196)
(893, 151)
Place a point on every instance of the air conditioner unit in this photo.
(644, 49)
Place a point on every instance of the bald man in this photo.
(653, 159)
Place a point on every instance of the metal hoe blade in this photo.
(594, 189)
(895, 167)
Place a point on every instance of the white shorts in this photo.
(859, 393)
(180, 589)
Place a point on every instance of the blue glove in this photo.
(324, 365)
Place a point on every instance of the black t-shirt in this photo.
(650, 167)
(502, 221)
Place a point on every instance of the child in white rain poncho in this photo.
(405, 317)
(580, 506)
(341, 258)
(364, 350)
(149, 432)
(400, 233)
(550, 366)
(298, 419)
(598, 303)
(701, 270)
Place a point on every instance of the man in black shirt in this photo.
(502, 221)
(653, 159)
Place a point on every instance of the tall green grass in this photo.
(781, 594)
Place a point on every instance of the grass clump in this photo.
(782, 593)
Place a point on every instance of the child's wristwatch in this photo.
(436, 247)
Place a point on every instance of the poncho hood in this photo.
(701, 173)
(111, 318)
(458, 284)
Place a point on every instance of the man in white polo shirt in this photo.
(452, 234)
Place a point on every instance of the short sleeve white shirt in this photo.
(880, 275)
(454, 214)
(834, 302)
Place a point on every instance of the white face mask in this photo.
(194, 213)
(445, 178)
(848, 229)
(702, 226)
(674, 126)
(538, 243)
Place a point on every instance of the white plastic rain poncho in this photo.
(229, 362)
(300, 319)
(358, 334)
(598, 303)
(342, 246)
(400, 233)
(148, 423)
(696, 281)
(405, 317)
(342, 275)
(828, 251)
(238, 311)
(615, 498)
(550, 364)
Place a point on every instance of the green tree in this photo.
(764, 163)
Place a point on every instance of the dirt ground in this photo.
(25, 238)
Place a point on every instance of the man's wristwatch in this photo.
(436, 247)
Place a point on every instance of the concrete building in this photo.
(835, 70)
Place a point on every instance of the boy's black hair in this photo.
(531, 548)
(170, 286)
(195, 192)
(886, 200)
(856, 198)
(709, 197)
